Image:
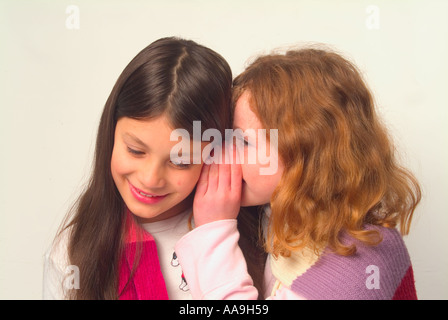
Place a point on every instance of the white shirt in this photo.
(166, 233)
(59, 275)
(56, 270)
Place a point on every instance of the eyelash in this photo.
(181, 165)
(245, 142)
(140, 153)
(135, 152)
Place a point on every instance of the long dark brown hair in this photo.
(178, 78)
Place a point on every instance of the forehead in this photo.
(145, 129)
(244, 117)
(155, 136)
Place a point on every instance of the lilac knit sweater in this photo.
(377, 272)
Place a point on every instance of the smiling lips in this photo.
(144, 197)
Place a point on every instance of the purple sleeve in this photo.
(373, 272)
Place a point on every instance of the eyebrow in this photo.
(237, 127)
(134, 138)
(245, 130)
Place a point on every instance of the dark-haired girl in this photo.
(118, 242)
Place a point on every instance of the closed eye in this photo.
(243, 141)
(180, 163)
(135, 152)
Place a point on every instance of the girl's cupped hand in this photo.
(218, 192)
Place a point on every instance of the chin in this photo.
(253, 197)
(251, 201)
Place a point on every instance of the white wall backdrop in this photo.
(60, 59)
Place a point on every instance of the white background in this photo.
(54, 82)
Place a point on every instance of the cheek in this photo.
(260, 185)
(251, 178)
(114, 165)
(188, 180)
(119, 164)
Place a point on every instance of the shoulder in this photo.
(373, 272)
(58, 250)
(56, 267)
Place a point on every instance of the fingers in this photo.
(213, 178)
(218, 192)
(223, 177)
(230, 174)
(202, 185)
(236, 178)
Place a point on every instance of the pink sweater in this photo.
(215, 268)
(147, 282)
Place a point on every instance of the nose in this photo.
(152, 175)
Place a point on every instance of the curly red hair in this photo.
(341, 171)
